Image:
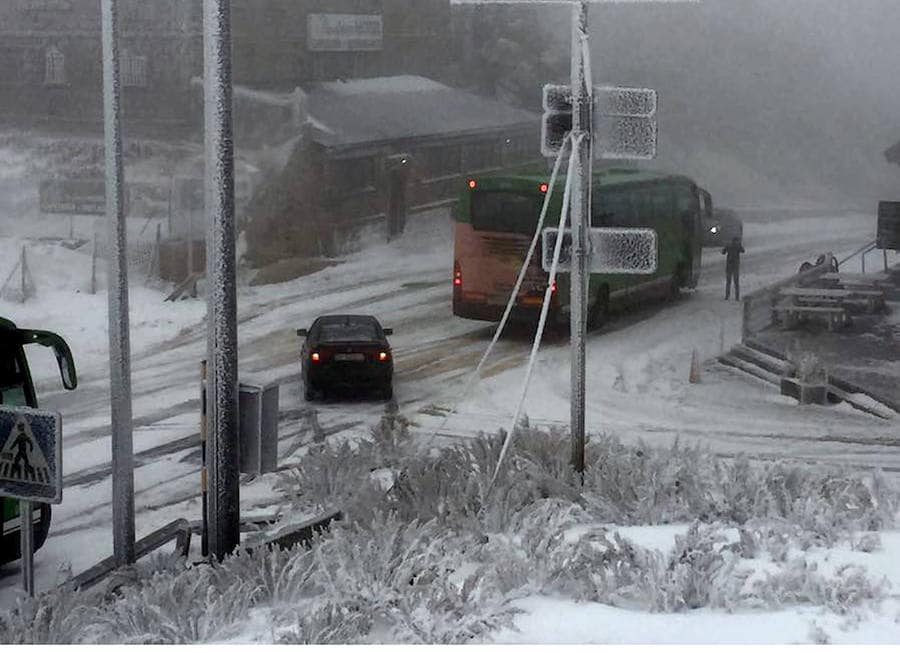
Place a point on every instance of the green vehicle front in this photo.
(498, 213)
(17, 389)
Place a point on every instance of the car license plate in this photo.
(355, 358)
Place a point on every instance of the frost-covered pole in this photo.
(221, 297)
(119, 347)
(580, 212)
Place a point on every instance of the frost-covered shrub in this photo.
(332, 475)
(278, 576)
(328, 623)
(399, 575)
(183, 609)
(646, 485)
(447, 613)
(810, 368)
(444, 487)
(55, 617)
(701, 571)
(391, 441)
(801, 582)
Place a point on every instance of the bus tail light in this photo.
(457, 276)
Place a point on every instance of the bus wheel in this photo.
(599, 311)
(679, 279)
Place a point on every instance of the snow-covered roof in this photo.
(363, 111)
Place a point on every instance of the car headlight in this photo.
(713, 230)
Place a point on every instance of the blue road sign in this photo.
(30, 454)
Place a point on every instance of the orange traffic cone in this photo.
(694, 376)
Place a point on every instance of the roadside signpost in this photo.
(625, 123)
(30, 470)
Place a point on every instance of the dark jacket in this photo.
(733, 253)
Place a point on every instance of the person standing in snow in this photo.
(733, 252)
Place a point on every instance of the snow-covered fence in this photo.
(759, 306)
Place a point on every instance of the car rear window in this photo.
(347, 332)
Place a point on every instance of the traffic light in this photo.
(557, 120)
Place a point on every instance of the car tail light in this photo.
(472, 184)
(543, 187)
(315, 357)
(383, 356)
(553, 287)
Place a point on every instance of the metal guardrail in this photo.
(178, 530)
(865, 249)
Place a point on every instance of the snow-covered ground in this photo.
(637, 390)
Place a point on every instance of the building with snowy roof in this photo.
(373, 150)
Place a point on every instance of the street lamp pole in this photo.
(221, 286)
(119, 342)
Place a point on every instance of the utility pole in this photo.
(119, 346)
(582, 108)
(221, 293)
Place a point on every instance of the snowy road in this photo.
(637, 381)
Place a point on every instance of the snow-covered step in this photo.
(761, 359)
(864, 402)
(750, 368)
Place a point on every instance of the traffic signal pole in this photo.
(223, 504)
(580, 216)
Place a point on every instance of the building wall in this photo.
(272, 49)
(51, 61)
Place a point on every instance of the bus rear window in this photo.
(506, 211)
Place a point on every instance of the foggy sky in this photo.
(764, 101)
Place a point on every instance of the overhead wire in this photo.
(473, 377)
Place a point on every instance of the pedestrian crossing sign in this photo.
(30, 454)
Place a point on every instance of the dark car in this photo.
(346, 353)
(722, 228)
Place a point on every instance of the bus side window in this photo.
(617, 209)
(601, 215)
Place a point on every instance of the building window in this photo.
(481, 156)
(442, 161)
(354, 174)
(10, 65)
(54, 66)
(134, 69)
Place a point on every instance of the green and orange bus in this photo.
(496, 217)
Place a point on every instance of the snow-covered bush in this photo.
(810, 368)
(700, 572)
(801, 582)
(332, 475)
(182, 609)
(54, 617)
(442, 554)
(279, 576)
(327, 623)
